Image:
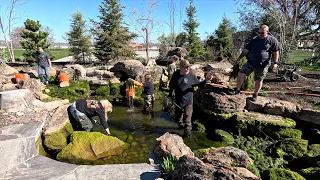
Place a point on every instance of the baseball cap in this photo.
(184, 63)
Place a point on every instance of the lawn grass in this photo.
(55, 53)
(298, 55)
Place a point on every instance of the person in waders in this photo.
(130, 92)
(182, 83)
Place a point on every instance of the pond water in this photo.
(141, 130)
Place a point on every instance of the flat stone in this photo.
(118, 171)
(22, 130)
(312, 116)
(40, 167)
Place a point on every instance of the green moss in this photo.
(87, 147)
(252, 168)
(76, 90)
(40, 148)
(281, 174)
(49, 99)
(115, 89)
(200, 152)
(223, 136)
(103, 91)
(280, 153)
(294, 148)
(56, 141)
(200, 127)
(289, 133)
(310, 173)
(313, 150)
(200, 141)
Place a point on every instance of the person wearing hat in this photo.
(84, 109)
(182, 83)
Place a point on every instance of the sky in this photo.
(55, 14)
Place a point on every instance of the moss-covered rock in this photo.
(294, 148)
(310, 173)
(313, 150)
(253, 123)
(115, 89)
(223, 136)
(289, 133)
(56, 141)
(40, 149)
(87, 147)
(76, 90)
(281, 174)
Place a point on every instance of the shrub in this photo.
(289, 133)
(310, 173)
(223, 136)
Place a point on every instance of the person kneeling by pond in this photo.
(83, 110)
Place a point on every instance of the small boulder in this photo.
(171, 144)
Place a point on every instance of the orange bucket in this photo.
(63, 78)
(19, 77)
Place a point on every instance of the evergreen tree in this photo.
(33, 37)
(181, 39)
(223, 42)
(78, 38)
(194, 45)
(111, 37)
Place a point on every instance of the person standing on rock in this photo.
(259, 52)
(182, 83)
(83, 110)
(43, 61)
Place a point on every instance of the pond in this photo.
(141, 130)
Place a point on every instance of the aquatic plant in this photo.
(168, 165)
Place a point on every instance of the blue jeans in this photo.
(46, 70)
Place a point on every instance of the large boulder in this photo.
(178, 51)
(171, 144)
(16, 100)
(58, 129)
(7, 70)
(273, 106)
(128, 68)
(309, 115)
(32, 84)
(216, 100)
(226, 155)
(221, 67)
(154, 71)
(71, 69)
(193, 168)
(87, 147)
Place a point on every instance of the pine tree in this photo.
(223, 42)
(194, 45)
(33, 37)
(111, 38)
(78, 38)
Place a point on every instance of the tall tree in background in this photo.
(222, 40)
(291, 20)
(111, 38)
(6, 30)
(181, 39)
(50, 37)
(194, 45)
(78, 38)
(33, 37)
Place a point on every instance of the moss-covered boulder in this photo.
(253, 123)
(103, 91)
(223, 136)
(289, 133)
(294, 148)
(313, 150)
(310, 173)
(281, 174)
(87, 147)
(57, 130)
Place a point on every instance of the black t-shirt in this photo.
(260, 50)
(183, 87)
(42, 59)
(148, 88)
(92, 108)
